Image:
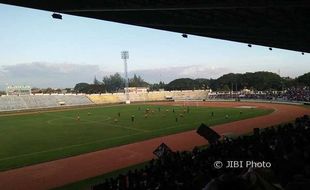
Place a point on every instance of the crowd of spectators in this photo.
(285, 147)
(297, 94)
(291, 94)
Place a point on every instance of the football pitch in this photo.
(27, 139)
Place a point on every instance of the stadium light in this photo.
(125, 56)
(57, 16)
(184, 35)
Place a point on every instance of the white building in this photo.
(18, 90)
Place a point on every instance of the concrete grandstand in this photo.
(150, 96)
(38, 101)
(13, 102)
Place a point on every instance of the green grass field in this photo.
(38, 137)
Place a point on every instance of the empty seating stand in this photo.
(11, 103)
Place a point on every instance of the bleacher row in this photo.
(288, 95)
(149, 96)
(11, 103)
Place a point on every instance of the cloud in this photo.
(40, 74)
(55, 75)
(170, 73)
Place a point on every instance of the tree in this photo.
(68, 90)
(182, 84)
(81, 87)
(230, 80)
(202, 83)
(137, 82)
(96, 82)
(58, 90)
(304, 79)
(48, 91)
(114, 83)
(95, 89)
(259, 81)
(226, 88)
(157, 86)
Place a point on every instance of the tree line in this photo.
(260, 81)
(111, 84)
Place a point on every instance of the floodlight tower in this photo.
(125, 56)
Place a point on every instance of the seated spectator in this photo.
(286, 147)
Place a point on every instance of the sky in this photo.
(39, 51)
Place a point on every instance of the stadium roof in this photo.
(273, 23)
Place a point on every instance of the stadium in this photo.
(235, 131)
